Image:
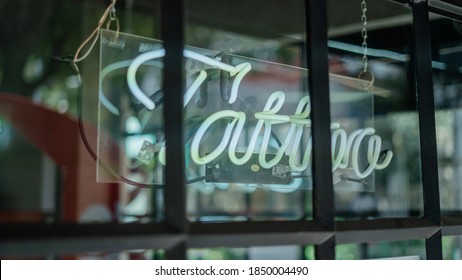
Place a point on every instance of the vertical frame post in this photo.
(423, 81)
(177, 252)
(318, 73)
(175, 190)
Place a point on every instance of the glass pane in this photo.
(217, 254)
(128, 146)
(446, 37)
(399, 250)
(142, 254)
(247, 111)
(48, 174)
(375, 129)
(125, 255)
(452, 247)
(289, 252)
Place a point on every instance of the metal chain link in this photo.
(365, 74)
(364, 33)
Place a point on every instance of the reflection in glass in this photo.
(289, 252)
(411, 249)
(217, 254)
(452, 247)
(142, 254)
(382, 101)
(47, 175)
(446, 37)
(261, 170)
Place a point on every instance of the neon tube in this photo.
(131, 77)
(194, 87)
(239, 71)
(348, 146)
(104, 72)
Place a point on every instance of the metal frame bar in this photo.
(257, 233)
(423, 81)
(16, 240)
(323, 191)
(176, 234)
(452, 225)
(75, 238)
(175, 193)
(384, 230)
(448, 8)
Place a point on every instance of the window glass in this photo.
(218, 254)
(85, 145)
(404, 250)
(446, 38)
(48, 173)
(262, 171)
(287, 252)
(452, 247)
(248, 140)
(143, 254)
(373, 111)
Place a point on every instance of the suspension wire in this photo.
(88, 147)
(72, 61)
(111, 12)
(94, 155)
(93, 38)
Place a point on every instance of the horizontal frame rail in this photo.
(41, 240)
(452, 225)
(244, 234)
(38, 239)
(384, 230)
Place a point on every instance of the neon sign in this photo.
(345, 148)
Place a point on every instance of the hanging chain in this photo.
(365, 74)
(364, 33)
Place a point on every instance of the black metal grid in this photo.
(176, 234)
(425, 103)
(323, 192)
(175, 192)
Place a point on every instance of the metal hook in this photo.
(363, 75)
(108, 26)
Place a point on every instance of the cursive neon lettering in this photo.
(346, 154)
(345, 148)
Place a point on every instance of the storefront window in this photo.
(446, 37)
(262, 169)
(452, 247)
(83, 130)
(397, 250)
(48, 174)
(253, 253)
(374, 102)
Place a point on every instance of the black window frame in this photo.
(176, 234)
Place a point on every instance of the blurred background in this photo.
(48, 176)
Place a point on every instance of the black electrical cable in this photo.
(90, 150)
(92, 153)
(300, 176)
(198, 179)
(346, 178)
(158, 98)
